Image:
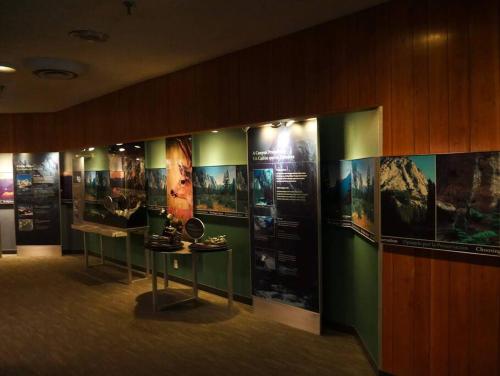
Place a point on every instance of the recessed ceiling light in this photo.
(137, 146)
(6, 68)
(91, 148)
(138, 159)
(119, 144)
(215, 131)
(121, 149)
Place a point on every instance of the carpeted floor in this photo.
(58, 319)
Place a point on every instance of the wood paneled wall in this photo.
(433, 65)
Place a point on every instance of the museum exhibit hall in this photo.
(266, 187)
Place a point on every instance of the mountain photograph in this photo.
(407, 189)
(215, 188)
(468, 198)
(363, 194)
(337, 191)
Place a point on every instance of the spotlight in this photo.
(137, 146)
(215, 131)
(91, 148)
(121, 149)
(119, 144)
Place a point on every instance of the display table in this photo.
(113, 232)
(194, 262)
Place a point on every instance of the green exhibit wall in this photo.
(350, 263)
(222, 148)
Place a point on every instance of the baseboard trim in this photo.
(187, 282)
(9, 251)
(353, 331)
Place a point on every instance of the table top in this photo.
(187, 251)
(110, 231)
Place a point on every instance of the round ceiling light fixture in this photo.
(6, 68)
(89, 35)
(55, 69)
(55, 74)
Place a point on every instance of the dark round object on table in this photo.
(158, 246)
(195, 228)
(200, 247)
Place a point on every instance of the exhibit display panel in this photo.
(7, 219)
(6, 180)
(115, 186)
(179, 177)
(156, 192)
(350, 258)
(221, 190)
(448, 202)
(37, 204)
(349, 189)
(284, 225)
(227, 147)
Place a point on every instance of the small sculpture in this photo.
(216, 240)
(172, 232)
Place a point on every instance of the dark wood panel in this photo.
(437, 38)
(420, 28)
(403, 302)
(458, 76)
(484, 73)
(401, 79)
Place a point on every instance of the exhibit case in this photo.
(115, 186)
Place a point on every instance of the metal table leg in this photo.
(229, 279)
(153, 280)
(129, 259)
(101, 249)
(85, 251)
(146, 255)
(194, 271)
(165, 270)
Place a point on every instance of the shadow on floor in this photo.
(200, 312)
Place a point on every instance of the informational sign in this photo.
(179, 177)
(37, 204)
(449, 202)
(221, 190)
(349, 188)
(283, 169)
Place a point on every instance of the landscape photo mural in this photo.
(156, 193)
(349, 189)
(221, 190)
(449, 202)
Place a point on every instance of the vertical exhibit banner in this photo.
(179, 177)
(283, 174)
(449, 202)
(37, 204)
(6, 180)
